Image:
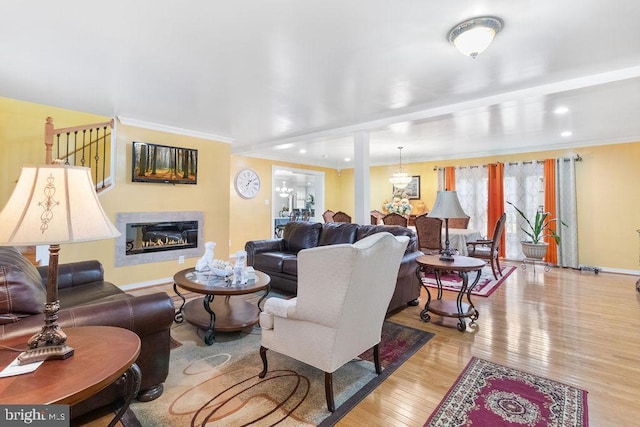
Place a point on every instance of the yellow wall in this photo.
(608, 202)
(22, 137)
(251, 218)
(21, 142)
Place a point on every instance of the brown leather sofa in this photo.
(87, 300)
(278, 257)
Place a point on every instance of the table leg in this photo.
(131, 380)
(424, 314)
(475, 314)
(209, 336)
(264, 296)
(178, 318)
(462, 325)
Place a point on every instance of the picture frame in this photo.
(163, 164)
(412, 189)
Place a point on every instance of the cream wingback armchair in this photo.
(343, 294)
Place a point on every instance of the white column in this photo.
(361, 178)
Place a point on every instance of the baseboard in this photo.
(141, 285)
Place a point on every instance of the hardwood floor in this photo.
(574, 327)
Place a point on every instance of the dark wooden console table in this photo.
(461, 265)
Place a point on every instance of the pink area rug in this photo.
(487, 394)
(486, 285)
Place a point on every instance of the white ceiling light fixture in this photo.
(473, 36)
(400, 179)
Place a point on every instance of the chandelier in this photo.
(284, 191)
(400, 179)
(474, 36)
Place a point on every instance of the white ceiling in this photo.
(275, 76)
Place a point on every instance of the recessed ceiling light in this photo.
(566, 133)
(561, 110)
(303, 151)
(347, 159)
(283, 146)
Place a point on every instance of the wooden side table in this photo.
(461, 265)
(102, 356)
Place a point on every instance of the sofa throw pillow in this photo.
(22, 292)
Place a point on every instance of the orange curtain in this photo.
(550, 206)
(450, 178)
(495, 207)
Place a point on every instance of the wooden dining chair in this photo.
(490, 249)
(376, 217)
(327, 216)
(395, 219)
(341, 217)
(462, 223)
(429, 231)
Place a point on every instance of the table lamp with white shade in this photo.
(53, 205)
(447, 206)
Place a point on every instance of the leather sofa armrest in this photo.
(144, 315)
(75, 273)
(256, 246)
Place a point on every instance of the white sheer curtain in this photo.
(441, 179)
(523, 186)
(472, 189)
(566, 209)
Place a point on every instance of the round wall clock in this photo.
(247, 183)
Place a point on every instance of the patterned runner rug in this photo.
(486, 285)
(487, 394)
(219, 384)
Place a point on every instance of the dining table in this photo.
(458, 238)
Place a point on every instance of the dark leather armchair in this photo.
(86, 299)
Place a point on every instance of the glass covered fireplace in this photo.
(158, 236)
(161, 236)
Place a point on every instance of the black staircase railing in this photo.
(86, 145)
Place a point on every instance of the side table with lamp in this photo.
(52, 205)
(445, 207)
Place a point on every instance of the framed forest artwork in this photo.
(163, 164)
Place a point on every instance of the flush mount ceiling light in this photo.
(400, 179)
(474, 36)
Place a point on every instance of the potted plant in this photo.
(536, 248)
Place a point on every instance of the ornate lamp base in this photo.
(45, 353)
(49, 343)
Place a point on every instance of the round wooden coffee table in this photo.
(218, 314)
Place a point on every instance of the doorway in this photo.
(297, 193)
